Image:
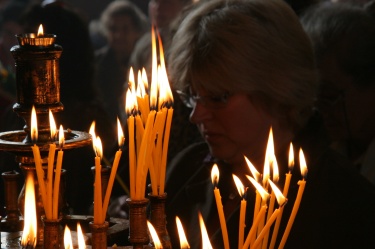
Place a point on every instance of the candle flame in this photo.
(144, 79)
(183, 241)
(81, 239)
(154, 236)
(279, 196)
(239, 185)
(253, 170)
(34, 125)
(154, 72)
(206, 244)
(275, 169)
(120, 134)
(30, 224)
(291, 157)
(140, 86)
(166, 97)
(92, 133)
(40, 30)
(61, 136)
(263, 193)
(98, 147)
(270, 151)
(52, 125)
(68, 243)
(302, 163)
(131, 106)
(215, 174)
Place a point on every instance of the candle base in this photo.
(99, 235)
(138, 231)
(158, 218)
(52, 231)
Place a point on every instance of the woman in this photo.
(245, 66)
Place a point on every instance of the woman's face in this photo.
(239, 127)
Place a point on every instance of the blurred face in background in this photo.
(122, 34)
(347, 109)
(163, 12)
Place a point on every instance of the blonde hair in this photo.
(247, 46)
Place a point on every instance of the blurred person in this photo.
(343, 37)
(123, 24)
(244, 66)
(9, 27)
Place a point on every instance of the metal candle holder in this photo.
(138, 231)
(38, 84)
(158, 218)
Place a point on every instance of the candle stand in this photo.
(158, 218)
(138, 231)
(38, 85)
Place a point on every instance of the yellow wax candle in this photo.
(266, 228)
(110, 181)
(269, 213)
(40, 176)
(288, 176)
(98, 192)
(220, 211)
(297, 202)
(132, 157)
(51, 160)
(241, 229)
(141, 161)
(165, 150)
(56, 187)
(139, 129)
(251, 235)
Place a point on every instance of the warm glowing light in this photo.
(181, 233)
(30, 227)
(98, 147)
(215, 174)
(154, 236)
(144, 79)
(52, 125)
(34, 126)
(166, 96)
(61, 136)
(81, 239)
(239, 185)
(140, 86)
(206, 244)
(93, 134)
(275, 169)
(154, 72)
(263, 193)
(270, 152)
(253, 170)
(40, 30)
(120, 134)
(279, 196)
(131, 105)
(302, 163)
(96, 141)
(68, 243)
(291, 158)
